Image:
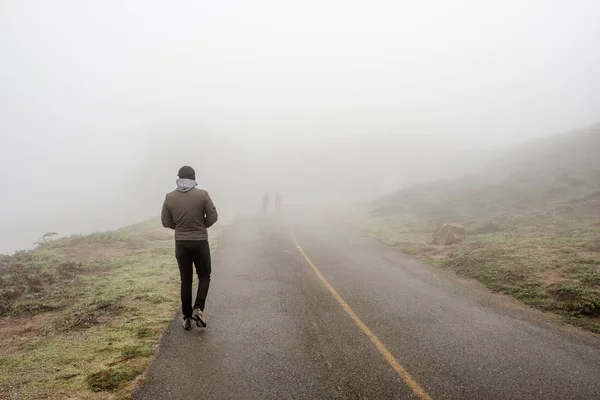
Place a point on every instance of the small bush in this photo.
(111, 379)
(144, 333)
(135, 351)
(577, 299)
(588, 304)
(80, 321)
(588, 274)
(69, 269)
(87, 315)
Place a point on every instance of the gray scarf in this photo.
(185, 185)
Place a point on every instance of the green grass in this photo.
(545, 254)
(82, 316)
(111, 379)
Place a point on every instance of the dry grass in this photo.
(82, 317)
(536, 237)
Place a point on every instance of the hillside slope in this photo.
(81, 317)
(532, 218)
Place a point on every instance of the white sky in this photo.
(83, 82)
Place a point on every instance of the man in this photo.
(190, 212)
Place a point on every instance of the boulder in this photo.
(449, 234)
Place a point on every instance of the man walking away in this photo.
(190, 212)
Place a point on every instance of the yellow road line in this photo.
(416, 388)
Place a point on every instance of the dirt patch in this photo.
(552, 276)
(15, 331)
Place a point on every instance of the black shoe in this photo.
(187, 323)
(198, 316)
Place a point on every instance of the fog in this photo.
(102, 102)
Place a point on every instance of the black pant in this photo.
(196, 252)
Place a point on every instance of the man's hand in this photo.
(166, 217)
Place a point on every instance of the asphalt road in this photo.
(327, 313)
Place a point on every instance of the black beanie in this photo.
(187, 172)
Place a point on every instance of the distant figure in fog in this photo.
(278, 202)
(190, 212)
(266, 201)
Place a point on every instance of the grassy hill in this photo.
(533, 221)
(81, 317)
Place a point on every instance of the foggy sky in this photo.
(102, 102)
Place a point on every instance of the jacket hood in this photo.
(185, 185)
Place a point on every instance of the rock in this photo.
(449, 234)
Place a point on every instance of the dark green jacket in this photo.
(190, 213)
